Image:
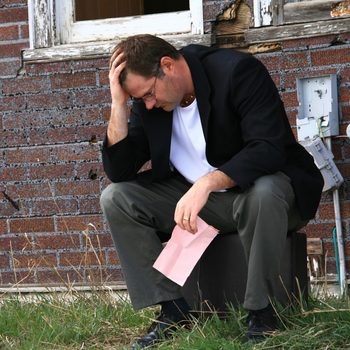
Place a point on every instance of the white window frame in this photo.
(190, 21)
(276, 20)
(55, 36)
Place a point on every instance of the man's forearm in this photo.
(216, 181)
(118, 124)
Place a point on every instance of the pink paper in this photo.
(183, 250)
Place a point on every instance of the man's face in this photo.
(160, 91)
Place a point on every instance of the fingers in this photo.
(190, 223)
(187, 221)
(114, 57)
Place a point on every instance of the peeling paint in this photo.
(254, 49)
(341, 9)
(230, 13)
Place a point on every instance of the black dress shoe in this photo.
(261, 323)
(160, 330)
(174, 314)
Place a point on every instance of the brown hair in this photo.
(143, 53)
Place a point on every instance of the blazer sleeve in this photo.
(263, 124)
(123, 160)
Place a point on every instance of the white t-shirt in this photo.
(187, 151)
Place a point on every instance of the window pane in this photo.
(99, 9)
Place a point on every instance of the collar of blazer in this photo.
(201, 86)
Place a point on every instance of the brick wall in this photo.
(53, 116)
(314, 57)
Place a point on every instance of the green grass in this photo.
(97, 321)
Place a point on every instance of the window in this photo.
(88, 27)
(283, 19)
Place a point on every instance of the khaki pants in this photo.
(261, 216)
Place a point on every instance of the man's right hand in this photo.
(116, 66)
(118, 123)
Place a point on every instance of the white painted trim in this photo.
(262, 12)
(196, 9)
(257, 16)
(190, 22)
(102, 48)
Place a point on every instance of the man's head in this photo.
(154, 71)
(143, 53)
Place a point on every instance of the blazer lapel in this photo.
(158, 125)
(202, 89)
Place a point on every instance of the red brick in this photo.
(345, 114)
(50, 100)
(293, 60)
(97, 241)
(10, 68)
(272, 62)
(13, 138)
(99, 63)
(113, 275)
(75, 152)
(344, 74)
(59, 277)
(9, 33)
(326, 211)
(32, 261)
(112, 258)
(56, 171)
(82, 259)
(51, 118)
(308, 42)
(277, 80)
(106, 113)
(290, 99)
(45, 136)
(54, 207)
(77, 188)
(16, 277)
(89, 205)
(334, 55)
(337, 150)
(27, 155)
(8, 15)
(7, 209)
(29, 190)
(24, 31)
(292, 115)
(84, 170)
(79, 223)
(3, 227)
(92, 97)
(28, 225)
(12, 103)
(91, 132)
(344, 94)
(12, 50)
(4, 262)
(73, 80)
(12, 174)
(52, 67)
(319, 230)
(104, 79)
(26, 84)
(13, 244)
(64, 241)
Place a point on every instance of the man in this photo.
(213, 125)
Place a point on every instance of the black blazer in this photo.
(245, 126)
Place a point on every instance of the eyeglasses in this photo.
(149, 96)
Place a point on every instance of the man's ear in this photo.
(166, 64)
